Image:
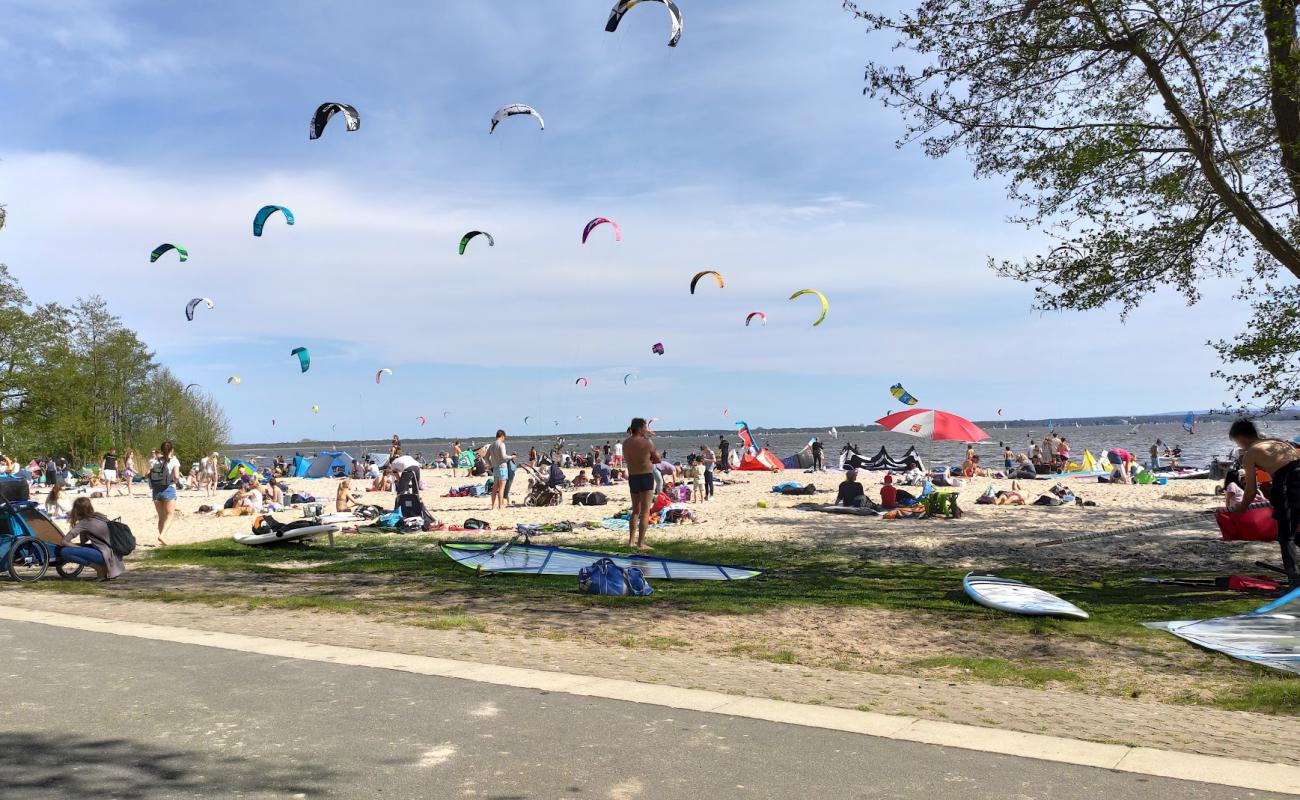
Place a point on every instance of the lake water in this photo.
(1210, 439)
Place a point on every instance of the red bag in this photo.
(1251, 525)
(1250, 583)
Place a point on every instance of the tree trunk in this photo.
(1284, 73)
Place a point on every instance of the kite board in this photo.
(1015, 597)
(288, 533)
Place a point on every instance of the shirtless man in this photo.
(640, 455)
(1280, 460)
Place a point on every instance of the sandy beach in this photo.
(986, 538)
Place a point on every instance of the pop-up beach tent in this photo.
(328, 464)
(300, 467)
(756, 459)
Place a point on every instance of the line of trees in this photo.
(75, 381)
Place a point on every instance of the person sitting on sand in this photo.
(555, 476)
(851, 493)
(274, 493)
(53, 502)
(87, 542)
(343, 497)
(582, 479)
(1025, 469)
(889, 494)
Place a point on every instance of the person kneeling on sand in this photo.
(87, 542)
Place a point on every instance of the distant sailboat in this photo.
(1134, 432)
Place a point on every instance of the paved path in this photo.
(91, 714)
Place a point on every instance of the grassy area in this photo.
(794, 576)
(996, 670)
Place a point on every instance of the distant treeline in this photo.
(75, 381)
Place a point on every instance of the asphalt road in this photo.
(95, 715)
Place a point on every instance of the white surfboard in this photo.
(1005, 594)
(304, 532)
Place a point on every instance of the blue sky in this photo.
(748, 149)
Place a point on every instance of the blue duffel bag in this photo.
(604, 577)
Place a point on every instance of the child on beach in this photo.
(696, 475)
(54, 502)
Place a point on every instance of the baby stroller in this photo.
(539, 492)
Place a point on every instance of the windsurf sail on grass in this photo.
(1268, 636)
(534, 559)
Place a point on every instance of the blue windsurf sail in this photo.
(533, 559)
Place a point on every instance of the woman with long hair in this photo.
(164, 477)
(87, 541)
(128, 471)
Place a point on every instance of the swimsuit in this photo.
(1285, 497)
(644, 482)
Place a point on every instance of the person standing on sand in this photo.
(724, 453)
(128, 471)
(639, 452)
(818, 455)
(164, 477)
(108, 470)
(708, 460)
(1281, 460)
(498, 458)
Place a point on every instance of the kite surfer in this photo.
(1281, 461)
(641, 458)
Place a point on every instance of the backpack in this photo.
(160, 475)
(604, 577)
(120, 539)
(590, 499)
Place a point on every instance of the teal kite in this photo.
(265, 212)
(163, 248)
(304, 357)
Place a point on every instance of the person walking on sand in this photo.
(1281, 460)
(498, 458)
(128, 471)
(639, 453)
(164, 477)
(108, 470)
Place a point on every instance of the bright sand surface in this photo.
(988, 537)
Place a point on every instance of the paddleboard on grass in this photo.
(1005, 594)
(287, 534)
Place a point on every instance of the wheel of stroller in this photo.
(27, 560)
(67, 569)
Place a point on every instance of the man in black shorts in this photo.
(640, 455)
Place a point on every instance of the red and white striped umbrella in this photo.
(929, 424)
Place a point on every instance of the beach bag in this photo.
(589, 499)
(1048, 500)
(120, 539)
(606, 578)
(1251, 525)
(472, 524)
(301, 497)
(160, 477)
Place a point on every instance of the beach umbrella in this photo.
(936, 425)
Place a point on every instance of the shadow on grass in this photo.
(794, 576)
